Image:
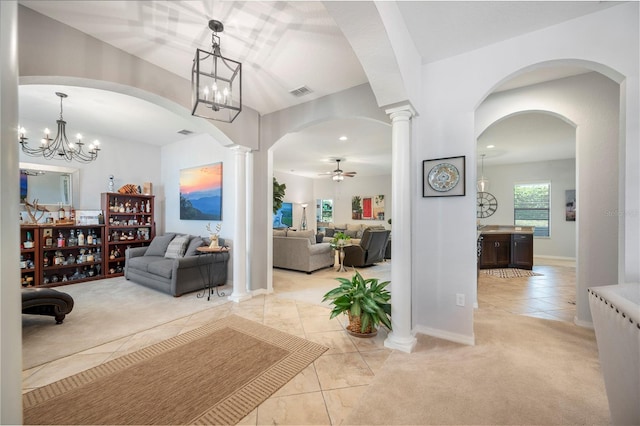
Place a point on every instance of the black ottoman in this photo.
(46, 301)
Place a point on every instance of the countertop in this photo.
(504, 229)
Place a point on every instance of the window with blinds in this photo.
(531, 206)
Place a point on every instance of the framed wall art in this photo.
(443, 177)
(201, 193)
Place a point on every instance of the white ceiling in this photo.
(282, 45)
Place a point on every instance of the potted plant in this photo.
(365, 301)
(278, 194)
(340, 239)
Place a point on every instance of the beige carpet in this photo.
(216, 374)
(509, 273)
(104, 311)
(522, 370)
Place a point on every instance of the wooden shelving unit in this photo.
(129, 222)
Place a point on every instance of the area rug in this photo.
(216, 374)
(509, 273)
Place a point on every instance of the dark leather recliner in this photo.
(46, 301)
(370, 250)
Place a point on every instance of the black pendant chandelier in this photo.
(60, 147)
(216, 82)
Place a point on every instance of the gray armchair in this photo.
(370, 250)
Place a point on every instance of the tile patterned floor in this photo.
(325, 391)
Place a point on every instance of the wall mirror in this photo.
(50, 185)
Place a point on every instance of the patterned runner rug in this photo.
(216, 374)
(509, 273)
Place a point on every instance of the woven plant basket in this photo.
(354, 328)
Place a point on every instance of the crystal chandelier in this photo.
(483, 183)
(216, 82)
(60, 147)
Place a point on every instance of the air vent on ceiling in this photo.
(185, 132)
(300, 91)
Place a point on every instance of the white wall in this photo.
(341, 194)
(562, 176)
(591, 103)
(299, 190)
(445, 229)
(306, 190)
(132, 162)
(198, 150)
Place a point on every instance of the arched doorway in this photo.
(591, 101)
(310, 149)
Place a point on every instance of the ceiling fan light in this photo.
(338, 178)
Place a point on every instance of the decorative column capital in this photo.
(240, 149)
(401, 112)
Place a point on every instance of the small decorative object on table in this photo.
(213, 236)
(339, 242)
(365, 301)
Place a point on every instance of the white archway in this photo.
(590, 102)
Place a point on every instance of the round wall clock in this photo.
(443, 177)
(487, 205)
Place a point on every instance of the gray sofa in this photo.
(172, 264)
(298, 250)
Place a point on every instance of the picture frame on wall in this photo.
(443, 177)
(201, 192)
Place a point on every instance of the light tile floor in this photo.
(326, 390)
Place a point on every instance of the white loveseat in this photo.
(615, 310)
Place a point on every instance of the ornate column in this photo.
(401, 338)
(239, 249)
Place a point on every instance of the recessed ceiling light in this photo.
(491, 146)
(343, 138)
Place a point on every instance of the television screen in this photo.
(283, 218)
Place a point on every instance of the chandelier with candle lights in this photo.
(60, 147)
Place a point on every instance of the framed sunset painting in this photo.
(201, 192)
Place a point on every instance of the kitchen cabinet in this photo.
(521, 251)
(495, 251)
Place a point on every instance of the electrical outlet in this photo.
(460, 299)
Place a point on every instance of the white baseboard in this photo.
(585, 324)
(446, 335)
(570, 259)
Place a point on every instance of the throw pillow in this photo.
(279, 232)
(319, 237)
(193, 245)
(351, 233)
(159, 245)
(177, 247)
(329, 232)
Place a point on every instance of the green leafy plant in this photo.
(339, 239)
(365, 301)
(278, 194)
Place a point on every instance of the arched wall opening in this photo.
(327, 153)
(592, 103)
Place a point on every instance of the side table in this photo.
(205, 266)
(341, 267)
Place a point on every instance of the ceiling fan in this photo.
(338, 174)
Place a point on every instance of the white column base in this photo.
(237, 298)
(404, 344)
